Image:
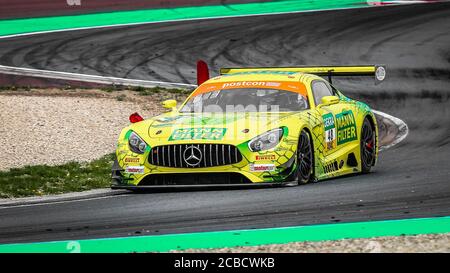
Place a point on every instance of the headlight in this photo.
(266, 141)
(136, 143)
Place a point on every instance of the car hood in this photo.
(206, 128)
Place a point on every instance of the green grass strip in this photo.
(18, 26)
(163, 243)
(69, 177)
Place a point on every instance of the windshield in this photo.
(246, 100)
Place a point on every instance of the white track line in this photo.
(60, 202)
(88, 78)
(398, 2)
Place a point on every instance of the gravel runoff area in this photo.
(56, 126)
(402, 244)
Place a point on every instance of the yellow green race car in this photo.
(252, 126)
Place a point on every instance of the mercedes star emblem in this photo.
(192, 156)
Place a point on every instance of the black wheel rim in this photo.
(367, 145)
(305, 160)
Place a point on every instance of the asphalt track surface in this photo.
(411, 179)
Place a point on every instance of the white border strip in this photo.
(89, 78)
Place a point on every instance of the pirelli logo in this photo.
(265, 157)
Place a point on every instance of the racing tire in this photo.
(305, 159)
(368, 146)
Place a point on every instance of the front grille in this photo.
(194, 179)
(211, 155)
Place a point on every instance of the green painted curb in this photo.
(219, 239)
(18, 26)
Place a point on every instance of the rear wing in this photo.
(377, 71)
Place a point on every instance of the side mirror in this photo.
(329, 100)
(170, 104)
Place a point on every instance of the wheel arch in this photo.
(309, 132)
(370, 116)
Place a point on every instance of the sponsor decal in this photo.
(162, 125)
(134, 169)
(262, 167)
(198, 133)
(265, 157)
(346, 127)
(131, 160)
(330, 131)
(244, 84)
(163, 122)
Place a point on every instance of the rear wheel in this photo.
(368, 146)
(305, 159)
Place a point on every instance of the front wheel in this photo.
(305, 166)
(368, 146)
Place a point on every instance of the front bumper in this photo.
(253, 185)
(271, 166)
(209, 177)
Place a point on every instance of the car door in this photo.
(332, 117)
